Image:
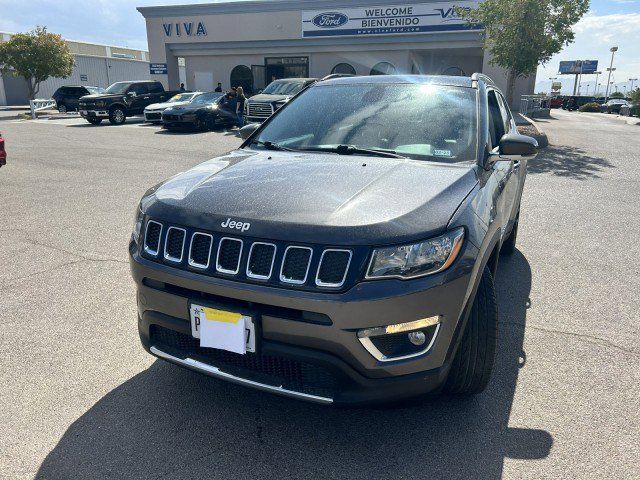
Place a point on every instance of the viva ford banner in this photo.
(386, 20)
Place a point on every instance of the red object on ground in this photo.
(3, 153)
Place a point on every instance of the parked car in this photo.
(205, 112)
(556, 102)
(260, 107)
(153, 113)
(67, 98)
(346, 252)
(3, 152)
(614, 105)
(574, 102)
(122, 100)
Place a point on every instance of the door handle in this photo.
(146, 98)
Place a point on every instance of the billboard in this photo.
(386, 20)
(575, 67)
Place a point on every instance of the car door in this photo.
(141, 98)
(75, 97)
(515, 182)
(157, 93)
(503, 170)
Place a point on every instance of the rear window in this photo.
(156, 87)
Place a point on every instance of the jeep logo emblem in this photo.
(242, 226)
(330, 20)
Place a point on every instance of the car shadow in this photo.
(167, 422)
(570, 162)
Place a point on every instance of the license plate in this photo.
(224, 330)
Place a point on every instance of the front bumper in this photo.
(153, 117)
(84, 113)
(165, 293)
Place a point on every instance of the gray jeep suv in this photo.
(346, 252)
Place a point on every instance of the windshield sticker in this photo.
(442, 153)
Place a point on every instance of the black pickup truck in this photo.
(122, 100)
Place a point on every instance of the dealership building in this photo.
(251, 43)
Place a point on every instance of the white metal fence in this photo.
(39, 104)
(532, 104)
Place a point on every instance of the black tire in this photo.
(117, 116)
(62, 108)
(472, 366)
(509, 245)
(94, 121)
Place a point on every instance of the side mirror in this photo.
(132, 94)
(516, 145)
(259, 91)
(247, 130)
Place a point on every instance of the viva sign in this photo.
(188, 29)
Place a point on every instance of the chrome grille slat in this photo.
(260, 110)
(229, 252)
(260, 261)
(198, 238)
(290, 272)
(333, 268)
(154, 230)
(175, 236)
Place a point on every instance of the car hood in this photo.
(265, 98)
(163, 106)
(186, 108)
(100, 96)
(315, 198)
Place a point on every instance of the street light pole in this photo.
(613, 51)
(632, 80)
(596, 85)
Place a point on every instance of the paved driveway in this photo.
(80, 399)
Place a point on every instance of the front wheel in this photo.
(472, 366)
(62, 108)
(117, 116)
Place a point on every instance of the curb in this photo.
(540, 136)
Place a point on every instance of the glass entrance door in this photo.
(285, 67)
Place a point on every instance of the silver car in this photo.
(153, 113)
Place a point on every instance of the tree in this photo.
(522, 34)
(36, 56)
(617, 95)
(635, 97)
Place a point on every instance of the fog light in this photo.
(417, 338)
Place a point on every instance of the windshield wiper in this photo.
(272, 146)
(353, 150)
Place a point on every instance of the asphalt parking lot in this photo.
(82, 400)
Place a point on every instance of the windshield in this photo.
(94, 90)
(118, 88)
(181, 97)
(283, 87)
(420, 121)
(206, 98)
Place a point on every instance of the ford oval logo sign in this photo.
(330, 20)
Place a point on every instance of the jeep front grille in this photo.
(275, 263)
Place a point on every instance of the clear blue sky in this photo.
(116, 22)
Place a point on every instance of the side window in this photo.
(496, 122)
(505, 112)
(139, 89)
(156, 87)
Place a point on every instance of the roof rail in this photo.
(485, 78)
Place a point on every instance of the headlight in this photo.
(417, 260)
(137, 224)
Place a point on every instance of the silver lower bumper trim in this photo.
(217, 373)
